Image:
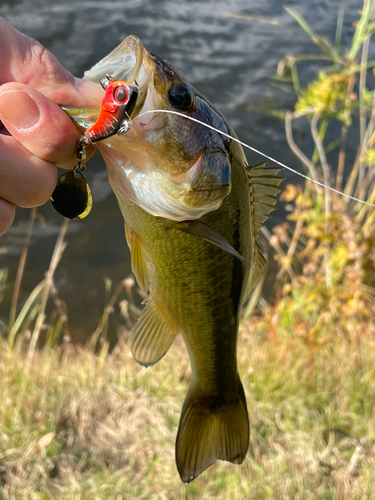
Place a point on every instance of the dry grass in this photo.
(75, 425)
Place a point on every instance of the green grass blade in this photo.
(339, 25)
(361, 30)
(318, 40)
(24, 311)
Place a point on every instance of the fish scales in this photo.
(202, 289)
(190, 271)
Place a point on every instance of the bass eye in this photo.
(180, 96)
(121, 94)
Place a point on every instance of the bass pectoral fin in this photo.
(153, 335)
(201, 230)
(142, 267)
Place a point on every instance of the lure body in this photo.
(72, 196)
(115, 110)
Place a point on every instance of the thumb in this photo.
(39, 124)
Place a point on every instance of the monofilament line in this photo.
(258, 152)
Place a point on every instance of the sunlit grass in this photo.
(79, 425)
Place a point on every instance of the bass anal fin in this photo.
(153, 334)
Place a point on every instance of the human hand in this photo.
(35, 134)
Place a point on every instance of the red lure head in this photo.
(115, 109)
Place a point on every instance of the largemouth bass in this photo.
(181, 187)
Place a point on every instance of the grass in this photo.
(89, 423)
(77, 425)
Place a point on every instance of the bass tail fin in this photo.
(210, 432)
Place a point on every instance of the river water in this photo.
(227, 50)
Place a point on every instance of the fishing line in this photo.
(258, 152)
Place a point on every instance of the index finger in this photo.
(24, 60)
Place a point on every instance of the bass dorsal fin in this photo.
(264, 186)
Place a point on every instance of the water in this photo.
(230, 60)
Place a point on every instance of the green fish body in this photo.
(178, 250)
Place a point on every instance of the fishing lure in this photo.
(72, 196)
(115, 110)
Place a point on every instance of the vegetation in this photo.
(75, 425)
(79, 423)
(327, 251)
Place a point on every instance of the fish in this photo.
(193, 209)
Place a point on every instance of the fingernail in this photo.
(18, 109)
